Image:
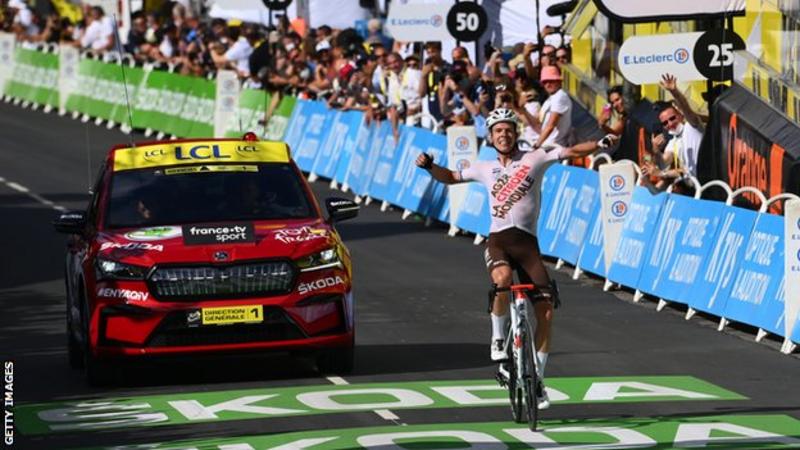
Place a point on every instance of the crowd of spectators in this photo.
(411, 83)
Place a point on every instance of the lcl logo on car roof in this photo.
(221, 256)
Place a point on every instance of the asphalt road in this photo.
(422, 359)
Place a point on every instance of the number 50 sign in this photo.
(688, 56)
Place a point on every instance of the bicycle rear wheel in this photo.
(530, 378)
(515, 392)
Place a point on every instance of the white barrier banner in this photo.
(616, 191)
(418, 22)
(7, 42)
(462, 151)
(792, 264)
(643, 59)
(68, 63)
(227, 102)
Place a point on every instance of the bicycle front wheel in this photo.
(530, 378)
(515, 391)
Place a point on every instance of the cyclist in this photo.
(514, 182)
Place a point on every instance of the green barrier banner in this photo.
(196, 117)
(34, 78)
(77, 99)
(153, 103)
(199, 108)
(134, 77)
(252, 104)
(276, 127)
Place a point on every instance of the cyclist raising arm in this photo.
(514, 181)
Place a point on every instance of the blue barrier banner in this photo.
(796, 332)
(710, 291)
(567, 221)
(355, 171)
(474, 216)
(383, 137)
(681, 248)
(296, 125)
(592, 255)
(328, 154)
(404, 168)
(355, 121)
(755, 297)
(637, 232)
(418, 191)
(388, 160)
(665, 238)
(438, 201)
(554, 181)
(313, 135)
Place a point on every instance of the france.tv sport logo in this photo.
(616, 182)
(619, 208)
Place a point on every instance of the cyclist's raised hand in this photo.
(424, 161)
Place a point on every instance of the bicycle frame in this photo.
(520, 346)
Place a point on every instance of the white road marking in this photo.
(20, 188)
(382, 413)
(339, 381)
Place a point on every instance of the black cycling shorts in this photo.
(519, 250)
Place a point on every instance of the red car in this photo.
(213, 246)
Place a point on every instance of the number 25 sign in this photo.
(688, 56)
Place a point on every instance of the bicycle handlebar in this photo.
(537, 296)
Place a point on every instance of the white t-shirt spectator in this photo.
(687, 146)
(560, 103)
(239, 54)
(24, 18)
(409, 85)
(528, 133)
(166, 48)
(98, 34)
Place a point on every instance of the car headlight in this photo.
(108, 269)
(318, 261)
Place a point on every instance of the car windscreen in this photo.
(209, 193)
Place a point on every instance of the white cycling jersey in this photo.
(514, 190)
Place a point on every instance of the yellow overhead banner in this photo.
(199, 152)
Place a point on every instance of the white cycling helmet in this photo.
(499, 115)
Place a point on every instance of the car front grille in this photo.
(173, 331)
(234, 281)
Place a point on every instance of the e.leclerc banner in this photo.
(616, 192)
(636, 237)
(710, 292)
(462, 148)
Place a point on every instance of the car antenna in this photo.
(124, 80)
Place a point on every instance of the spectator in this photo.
(556, 111)
(433, 74)
(614, 116)
(675, 150)
(238, 55)
(99, 33)
(24, 21)
(562, 56)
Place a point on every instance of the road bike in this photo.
(519, 372)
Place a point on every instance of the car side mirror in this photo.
(340, 209)
(70, 222)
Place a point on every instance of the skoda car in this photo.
(214, 246)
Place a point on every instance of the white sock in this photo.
(499, 325)
(542, 356)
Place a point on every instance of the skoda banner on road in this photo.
(616, 190)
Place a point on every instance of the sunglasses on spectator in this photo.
(670, 119)
(549, 54)
(562, 57)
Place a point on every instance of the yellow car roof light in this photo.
(199, 152)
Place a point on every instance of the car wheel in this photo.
(74, 348)
(98, 373)
(339, 361)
